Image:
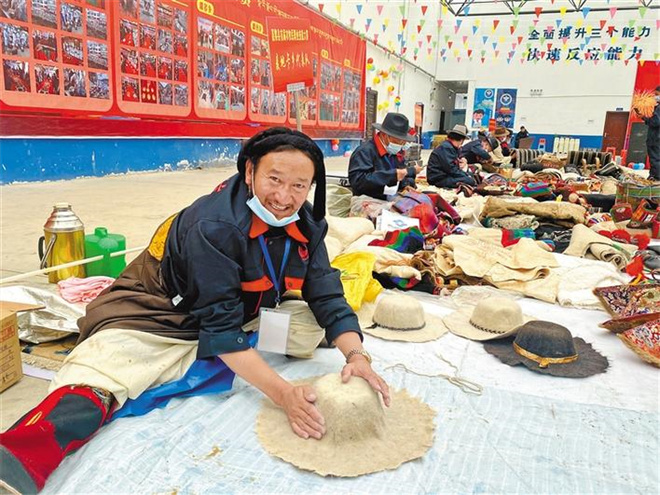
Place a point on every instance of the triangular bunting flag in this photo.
(402, 9)
(384, 27)
(358, 7)
(379, 8)
(538, 11)
(419, 43)
(585, 12)
(419, 28)
(642, 11)
(439, 23)
(404, 22)
(352, 21)
(338, 7)
(475, 29)
(562, 11)
(375, 38)
(512, 29)
(496, 23)
(428, 38)
(494, 45)
(602, 24)
(612, 12)
(321, 7)
(424, 7)
(469, 52)
(558, 22)
(450, 43)
(367, 25)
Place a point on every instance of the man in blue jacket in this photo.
(446, 167)
(653, 137)
(377, 167)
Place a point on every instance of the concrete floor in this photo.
(132, 205)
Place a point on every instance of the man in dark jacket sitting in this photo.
(446, 167)
(377, 167)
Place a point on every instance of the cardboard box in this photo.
(11, 369)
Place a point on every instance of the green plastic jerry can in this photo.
(102, 243)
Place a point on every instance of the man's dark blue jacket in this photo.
(371, 169)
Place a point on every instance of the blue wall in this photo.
(39, 159)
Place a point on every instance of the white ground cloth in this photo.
(527, 433)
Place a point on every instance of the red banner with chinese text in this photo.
(290, 49)
(176, 68)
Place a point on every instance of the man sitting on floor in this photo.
(377, 167)
(446, 167)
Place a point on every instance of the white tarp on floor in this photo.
(527, 433)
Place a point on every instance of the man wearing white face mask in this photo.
(377, 167)
(171, 324)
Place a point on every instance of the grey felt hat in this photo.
(396, 125)
(548, 348)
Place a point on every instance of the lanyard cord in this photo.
(277, 281)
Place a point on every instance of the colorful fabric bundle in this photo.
(598, 218)
(407, 199)
(443, 205)
(535, 190)
(512, 236)
(428, 220)
(409, 240)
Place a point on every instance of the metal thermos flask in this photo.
(63, 242)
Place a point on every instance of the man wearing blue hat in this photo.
(377, 167)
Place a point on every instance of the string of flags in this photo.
(571, 35)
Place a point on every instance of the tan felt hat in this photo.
(492, 318)
(400, 317)
(362, 436)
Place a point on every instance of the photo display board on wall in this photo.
(168, 68)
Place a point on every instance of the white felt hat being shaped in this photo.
(400, 317)
(361, 435)
(492, 318)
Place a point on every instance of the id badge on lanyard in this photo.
(274, 324)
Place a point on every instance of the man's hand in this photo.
(418, 169)
(305, 420)
(401, 174)
(359, 366)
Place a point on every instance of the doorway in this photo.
(614, 133)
